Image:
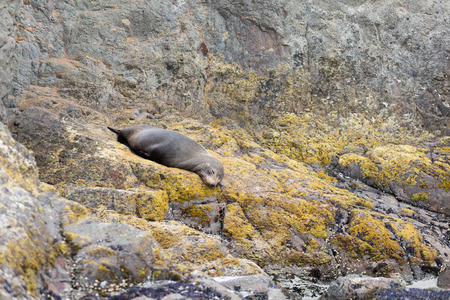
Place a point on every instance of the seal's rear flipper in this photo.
(120, 137)
(116, 131)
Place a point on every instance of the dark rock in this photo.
(411, 294)
(178, 290)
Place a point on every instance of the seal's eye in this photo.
(213, 172)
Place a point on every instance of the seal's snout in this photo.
(211, 179)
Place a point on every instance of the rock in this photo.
(444, 278)
(253, 286)
(201, 289)
(411, 294)
(317, 57)
(111, 256)
(32, 252)
(51, 247)
(8, 11)
(358, 286)
(246, 210)
(190, 249)
(404, 171)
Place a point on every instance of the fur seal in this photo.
(172, 149)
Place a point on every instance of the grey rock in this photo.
(252, 286)
(444, 278)
(394, 54)
(50, 247)
(8, 9)
(358, 286)
(112, 256)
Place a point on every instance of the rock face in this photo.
(28, 242)
(7, 43)
(320, 56)
(330, 118)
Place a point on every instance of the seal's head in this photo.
(211, 171)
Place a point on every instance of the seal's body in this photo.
(172, 149)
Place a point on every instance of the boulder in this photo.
(444, 278)
(356, 286)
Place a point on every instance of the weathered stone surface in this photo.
(51, 247)
(358, 286)
(444, 278)
(253, 286)
(412, 174)
(190, 249)
(275, 211)
(111, 256)
(8, 9)
(202, 289)
(30, 243)
(410, 294)
(318, 56)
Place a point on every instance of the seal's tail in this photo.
(116, 131)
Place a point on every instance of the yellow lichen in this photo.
(369, 227)
(421, 196)
(199, 212)
(29, 256)
(354, 246)
(182, 186)
(407, 212)
(75, 213)
(235, 224)
(152, 205)
(412, 238)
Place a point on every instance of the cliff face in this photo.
(330, 117)
(382, 60)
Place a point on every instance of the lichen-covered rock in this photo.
(419, 176)
(274, 211)
(111, 256)
(51, 247)
(33, 255)
(189, 249)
